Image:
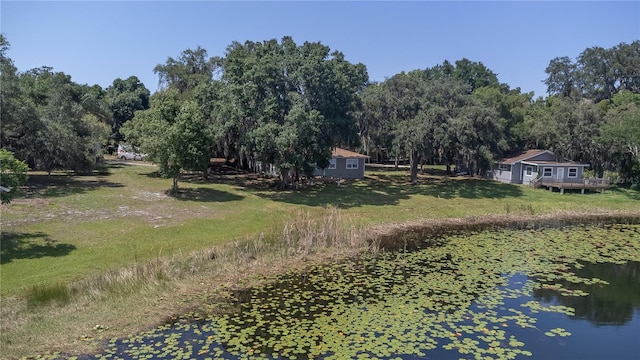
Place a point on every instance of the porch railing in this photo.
(586, 182)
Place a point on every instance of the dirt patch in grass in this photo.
(24, 205)
(34, 210)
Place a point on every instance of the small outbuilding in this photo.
(344, 164)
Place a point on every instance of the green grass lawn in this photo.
(67, 227)
(82, 225)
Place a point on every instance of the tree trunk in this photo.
(205, 171)
(414, 167)
(448, 169)
(284, 179)
(174, 189)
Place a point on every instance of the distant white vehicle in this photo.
(128, 152)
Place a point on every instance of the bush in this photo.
(13, 174)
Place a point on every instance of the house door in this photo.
(560, 174)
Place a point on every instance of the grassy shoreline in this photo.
(251, 232)
(137, 299)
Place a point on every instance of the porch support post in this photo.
(562, 190)
(582, 191)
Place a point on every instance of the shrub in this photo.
(13, 173)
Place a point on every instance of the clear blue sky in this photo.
(97, 42)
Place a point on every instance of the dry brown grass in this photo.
(400, 234)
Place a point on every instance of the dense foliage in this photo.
(435, 116)
(52, 123)
(274, 104)
(279, 106)
(13, 173)
(124, 98)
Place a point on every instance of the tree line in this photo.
(286, 105)
(51, 122)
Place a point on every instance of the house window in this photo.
(352, 163)
(573, 172)
(332, 164)
(506, 167)
(547, 172)
(529, 170)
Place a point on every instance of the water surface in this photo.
(570, 293)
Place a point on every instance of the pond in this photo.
(506, 294)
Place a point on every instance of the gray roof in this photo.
(523, 156)
(554, 163)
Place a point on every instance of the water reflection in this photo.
(612, 304)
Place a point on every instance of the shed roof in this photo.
(343, 153)
(523, 156)
(554, 163)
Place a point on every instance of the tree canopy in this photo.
(124, 98)
(49, 121)
(597, 73)
(283, 105)
(173, 134)
(274, 103)
(431, 116)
